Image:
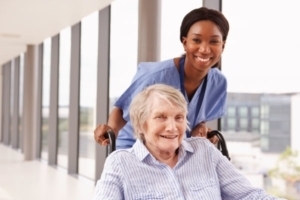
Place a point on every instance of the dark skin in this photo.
(203, 46)
(190, 84)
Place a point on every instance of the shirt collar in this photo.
(142, 152)
(186, 146)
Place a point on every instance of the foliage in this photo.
(287, 166)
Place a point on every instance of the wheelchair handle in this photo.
(221, 144)
(112, 141)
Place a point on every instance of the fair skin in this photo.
(203, 46)
(163, 131)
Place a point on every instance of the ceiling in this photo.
(29, 22)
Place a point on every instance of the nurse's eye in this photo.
(215, 42)
(196, 40)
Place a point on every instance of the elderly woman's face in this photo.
(164, 127)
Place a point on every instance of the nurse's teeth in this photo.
(202, 59)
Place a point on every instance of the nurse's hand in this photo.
(99, 133)
(201, 130)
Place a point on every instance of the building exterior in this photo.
(267, 117)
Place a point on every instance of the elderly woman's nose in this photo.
(171, 124)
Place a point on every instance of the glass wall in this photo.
(124, 44)
(45, 97)
(64, 96)
(261, 58)
(171, 19)
(88, 83)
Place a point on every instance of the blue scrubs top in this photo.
(165, 72)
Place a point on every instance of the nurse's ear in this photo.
(183, 41)
(223, 46)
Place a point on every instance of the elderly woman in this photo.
(161, 165)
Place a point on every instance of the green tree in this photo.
(287, 169)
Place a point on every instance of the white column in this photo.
(29, 103)
(149, 30)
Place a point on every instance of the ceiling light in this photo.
(9, 35)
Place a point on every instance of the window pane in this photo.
(63, 96)
(244, 124)
(255, 123)
(231, 124)
(264, 127)
(243, 111)
(123, 64)
(88, 83)
(45, 98)
(255, 112)
(251, 62)
(264, 143)
(170, 25)
(231, 112)
(264, 111)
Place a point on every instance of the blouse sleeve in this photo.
(233, 184)
(110, 185)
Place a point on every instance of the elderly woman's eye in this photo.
(160, 117)
(180, 117)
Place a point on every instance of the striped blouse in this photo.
(201, 172)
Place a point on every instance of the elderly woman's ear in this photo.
(140, 134)
(142, 137)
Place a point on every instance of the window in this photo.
(170, 25)
(122, 61)
(231, 112)
(249, 68)
(264, 142)
(231, 122)
(88, 83)
(243, 111)
(265, 109)
(45, 98)
(243, 124)
(255, 123)
(264, 127)
(255, 112)
(63, 96)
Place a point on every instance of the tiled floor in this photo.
(33, 180)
